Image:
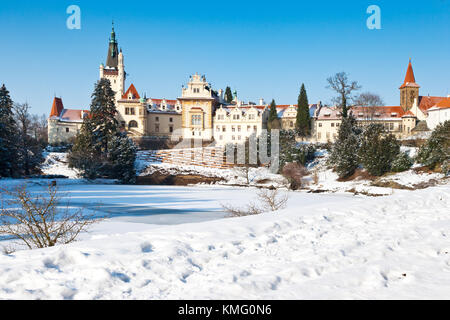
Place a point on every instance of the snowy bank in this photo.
(344, 247)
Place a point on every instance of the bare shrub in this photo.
(315, 176)
(269, 201)
(38, 221)
(294, 173)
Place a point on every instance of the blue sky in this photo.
(261, 49)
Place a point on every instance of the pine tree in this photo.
(401, 163)
(378, 149)
(228, 95)
(103, 115)
(436, 151)
(273, 122)
(344, 153)
(303, 123)
(8, 135)
(122, 156)
(100, 150)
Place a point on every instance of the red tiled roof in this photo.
(159, 101)
(379, 111)
(133, 91)
(57, 107)
(444, 103)
(408, 114)
(426, 102)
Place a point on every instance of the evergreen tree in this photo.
(8, 135)
(100, 150)
(436, 151)
(228, 95)
(378, 149)
(303, 123)
(344, 152)
(122, 156)
(273, 122)
(401, 163)
(103, 115)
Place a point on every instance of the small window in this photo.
(170, 119)
(320, 125)
(67, 129)
(133, 124)
(157, 128)
(157, 119)
(170, 129)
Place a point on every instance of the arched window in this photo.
(133, 124)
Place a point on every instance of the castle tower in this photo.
(198, 103)
(409, 91)
(114, 70)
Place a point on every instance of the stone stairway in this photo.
(210, 157)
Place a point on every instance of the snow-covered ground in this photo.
(321, 246)
(167, 242)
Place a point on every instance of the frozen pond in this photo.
(167, 205)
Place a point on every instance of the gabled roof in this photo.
(57, 107)
(410, 80)
(133, 91)
(72, 115)
(426, 102)
(444, 103)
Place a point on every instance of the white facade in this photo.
(236, 124)
(437, 116)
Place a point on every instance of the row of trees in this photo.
(22, 137)
(378, 151)
(344, 89)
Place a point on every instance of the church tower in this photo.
(409, 91)
(114, 70)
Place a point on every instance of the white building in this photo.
(439, 113)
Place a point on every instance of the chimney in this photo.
(221, 95)
(262, 102)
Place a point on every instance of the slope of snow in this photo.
(56, 163)
(336, 246)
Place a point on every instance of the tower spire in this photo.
(409, 78)
(113, 52)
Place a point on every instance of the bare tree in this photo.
(294, 173)
(270, 201)
(38, 126)
(370, 103)
(344, 88)
(38, 221)
(30, 151)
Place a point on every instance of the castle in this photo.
(201, 113)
